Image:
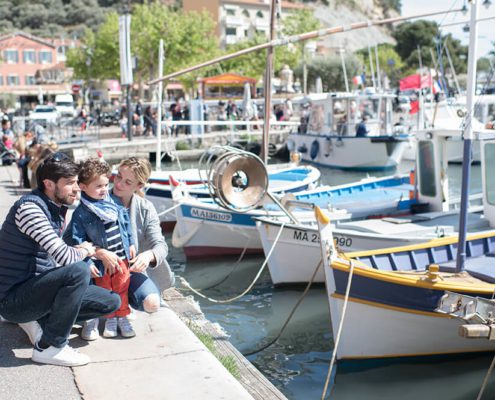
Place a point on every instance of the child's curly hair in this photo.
(92, 168)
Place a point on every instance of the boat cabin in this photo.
(339, 114)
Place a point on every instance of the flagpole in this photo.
(468, 135)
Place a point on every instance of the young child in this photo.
(98, 219)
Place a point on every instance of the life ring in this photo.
(315, 148)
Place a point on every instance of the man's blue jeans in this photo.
(57, 299)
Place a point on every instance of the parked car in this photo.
(64, 103)
(45, 115)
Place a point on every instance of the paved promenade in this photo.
(164, 361)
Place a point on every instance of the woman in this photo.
(152, 250)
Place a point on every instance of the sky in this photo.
(485, 34)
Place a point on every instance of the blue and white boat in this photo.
(205, 229)
(282, 179)
(329, 137)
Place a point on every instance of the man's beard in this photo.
(67, 200)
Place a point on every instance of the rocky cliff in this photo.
(342, 12)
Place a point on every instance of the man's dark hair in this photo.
(55, 166)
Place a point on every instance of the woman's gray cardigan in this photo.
(148, 236)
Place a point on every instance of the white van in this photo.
(64, 103)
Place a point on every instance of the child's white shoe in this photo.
(110, 327)
(125, 327)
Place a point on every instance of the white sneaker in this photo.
(125, 327)
(132, 315)
(110, 327)
(90, 329)
(65, 356)
(33, 330)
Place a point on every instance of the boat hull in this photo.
(392, 333)
(351, 153)
(297, 252)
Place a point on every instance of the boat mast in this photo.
(267, 84)
(468, 135)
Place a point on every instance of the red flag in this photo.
(415, 81)
(414, 107)
(410, 82)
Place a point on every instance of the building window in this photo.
(231, 31)
(1, 80)
(246, 33)
(245, 13)
(11, 56)
(30, 80)
(13, 80)
(230, 11)
(28, 56)
(259, 14)
(45, 57)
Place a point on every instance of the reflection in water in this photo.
(298, 363)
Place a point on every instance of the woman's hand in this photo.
(95, 273)
(132, 251)
(142, 261)
(109, 259)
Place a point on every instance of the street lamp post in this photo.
(126, 62)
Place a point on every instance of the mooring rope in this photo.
(290, 314)
(265, 263)
(339, 331)
(485, 381)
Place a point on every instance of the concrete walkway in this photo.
(164, 361)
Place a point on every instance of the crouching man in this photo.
(44, 283)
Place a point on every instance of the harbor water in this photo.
(298, 362)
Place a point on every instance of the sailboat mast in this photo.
(468, 134)
(267, 85)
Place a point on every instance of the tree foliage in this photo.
(410, 35)
(188, 39)
(329, 69)
(389, 62)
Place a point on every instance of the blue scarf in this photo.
(105, 209)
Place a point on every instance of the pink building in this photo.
(30, 67)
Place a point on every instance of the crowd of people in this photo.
(57, 274)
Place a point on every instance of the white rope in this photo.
(339, 330)
(186, 284)
(485, 381)
(169, 209)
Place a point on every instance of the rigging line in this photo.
(339, 330)
(450, 9)
(265, 263)
(291, 314)
(485, 381)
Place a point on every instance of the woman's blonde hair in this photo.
(140, 167)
